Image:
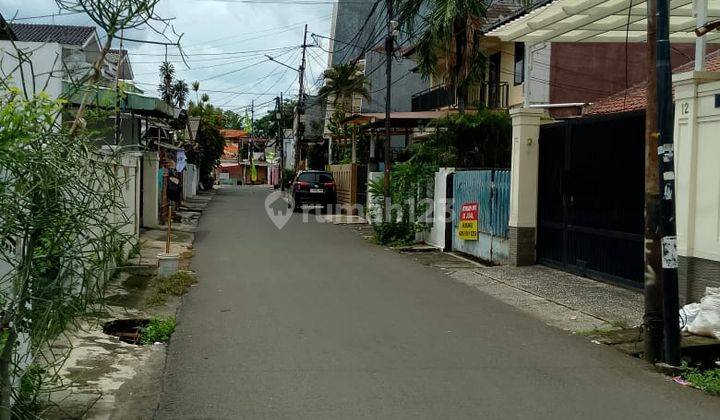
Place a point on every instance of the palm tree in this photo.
(448, 48)
(180, 93)
(196, 88)
(345, 81)
(167, 72)
(205, 98)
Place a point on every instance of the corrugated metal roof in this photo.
(62, 34)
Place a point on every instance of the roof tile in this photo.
(633, 98)
(62, 34)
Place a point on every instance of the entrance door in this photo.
(591, 196)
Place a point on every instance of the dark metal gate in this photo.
(590, 198)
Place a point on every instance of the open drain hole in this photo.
(127, 330)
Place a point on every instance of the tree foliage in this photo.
(343, 82)
(267, 126)
(180, 93)
(481, 140)
(63, 226)
(397, 223)
(448, 48)
(208, 146)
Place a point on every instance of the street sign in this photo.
(468, 226)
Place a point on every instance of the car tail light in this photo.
(302, 184)
(329, 185)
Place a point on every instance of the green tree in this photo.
(345, 81)
(196, 88)
(208, 146)
(165, 88)
(232, 120)
(481, 140)
(267, 126)
(180, 93)
(448, 49)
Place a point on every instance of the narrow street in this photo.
(311, 321)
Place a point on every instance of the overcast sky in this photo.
(225, 41)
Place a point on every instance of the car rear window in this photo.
(325, 178)
(320, 177)
(307, 177)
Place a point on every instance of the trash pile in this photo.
(703, 318)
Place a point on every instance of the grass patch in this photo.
(158, 330)
(176, 285)
(707, 380)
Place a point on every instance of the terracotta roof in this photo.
(62, 34)
(633, 98)
(234, 134)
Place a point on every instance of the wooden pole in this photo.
(653, 316)
(169, 230)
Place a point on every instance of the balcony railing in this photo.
(490, 95)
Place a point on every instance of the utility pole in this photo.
(301, 102)
(251, 147)
(653, 317)
(389, 46)
(666, 173)
(280, 140)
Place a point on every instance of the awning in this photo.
(603, 21)
(104, 97)
(397, 119)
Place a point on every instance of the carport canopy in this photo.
(608, 21)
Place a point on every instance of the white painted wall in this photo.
(697, 172)
(436, 235)
(524, 166)
(151, 190)
(46, 67)
(190, 181)
(373, 205)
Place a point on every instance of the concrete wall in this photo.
(436, 235)
(128, 172)
(190, 181)
(697, 181)
(151, 190)
(373, 203)
(46, 65)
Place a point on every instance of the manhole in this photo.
(127, 330)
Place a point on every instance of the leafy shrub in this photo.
(708, 381)
(158, 330)
(409, 183)
(393, 233)
(482, 140)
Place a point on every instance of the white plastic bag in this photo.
(707, 321)
(688, 313)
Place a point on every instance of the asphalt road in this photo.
(313, 322)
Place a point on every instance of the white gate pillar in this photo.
(524, 184)
(695, 173)
(151, 190)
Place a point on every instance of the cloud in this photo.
(217, 39)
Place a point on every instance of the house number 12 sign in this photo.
(468, 227)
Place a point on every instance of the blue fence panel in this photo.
(490, 189)
(501, 204)
(483, 198)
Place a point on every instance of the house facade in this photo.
(578, 184)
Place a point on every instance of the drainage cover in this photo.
(127, 330)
